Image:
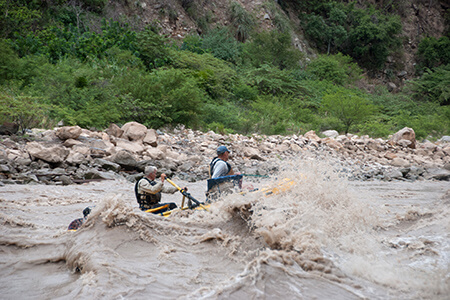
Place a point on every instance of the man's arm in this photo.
(146, 187)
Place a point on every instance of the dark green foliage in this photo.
(433, 86)
(9, 62)
(328, 30)
(161, 97)
(433, 52)
(271, 48)
(152, 49)
(193, 43)
(271, 80)
(18, 16)
(373, 36)
(215, 76)
(219, 43)
(368, 35)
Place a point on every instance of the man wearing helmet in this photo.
(148, 191)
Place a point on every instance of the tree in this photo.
(348, 107)
(328, 31)
(26, 111)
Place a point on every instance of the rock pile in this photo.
(69, 155)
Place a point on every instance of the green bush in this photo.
(338, 69)
(271, 48)
(219, 43)
(433, 86)
(433, 52)
(271, 80)
(347, 106)
(162, 97)
(152, 49)
(214, 75)
(9, 62)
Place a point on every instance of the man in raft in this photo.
(222, 179)
(219, 166)
(148, 191)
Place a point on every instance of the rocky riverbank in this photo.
(69, 155)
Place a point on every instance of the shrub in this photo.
(433, 86)
(26, 111)
(271, 80)
(219, 43)
(433, 52)
(271, 48)
(338, 69)
(9, 62)
(161, 97)
(349, 107)
(152, 49)
(214, 75)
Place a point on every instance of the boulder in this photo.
(133, 147)
(69, 143)
(332, 143)
(134, 131)
(107, 165)
(312, 136)
(75, 158)
(251, 153)
(400, 162)
(438, 174)
(151, 138)
(445, 139)
(54, 154)
(390, 155)
(68, 132)
(404, 134)
(8, 128)
(330, 133)
(154, 153)
(114, 130)
(125, 159)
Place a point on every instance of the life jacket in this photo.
(213, 164)
(146, 201)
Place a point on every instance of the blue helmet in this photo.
(222, 149)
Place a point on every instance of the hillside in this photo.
(268, 67)
(179, 18)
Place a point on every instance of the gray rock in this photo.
(125, 160)
(438, 174)
(107, 165)
(66, 180)
(393, 174)
(445, 139)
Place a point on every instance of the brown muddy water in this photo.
(324, 238)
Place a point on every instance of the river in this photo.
(323, 238)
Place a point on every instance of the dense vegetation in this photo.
(56, 65)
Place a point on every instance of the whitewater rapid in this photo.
(324, 238)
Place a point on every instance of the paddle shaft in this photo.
(186, 194)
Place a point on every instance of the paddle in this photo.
(186, 194)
